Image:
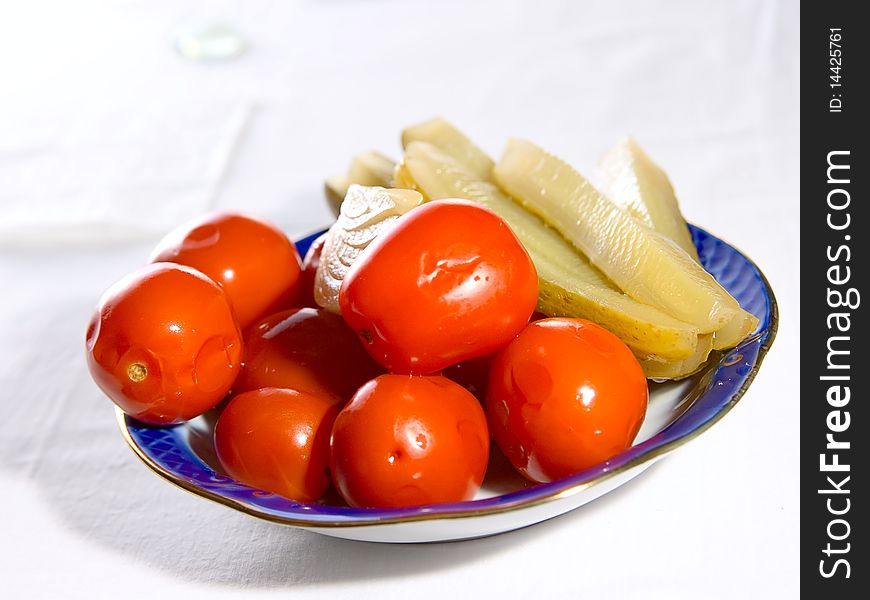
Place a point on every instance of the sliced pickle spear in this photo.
(643, 263)
(402, 179)
(369, 168)
(569, 285)
(661, 369)
(453, 142)
(365, 213)
(336, 189)
(637, 184)
(634, 182)
(735, 331)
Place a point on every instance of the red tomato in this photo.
(306, 349)
(251, 260)
(277, 440)
(407, 440)
(449, 281)
(309, 271)
(163, 344)
(565, 395)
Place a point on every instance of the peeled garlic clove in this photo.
(365, 213)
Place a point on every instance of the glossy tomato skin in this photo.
(409, 440)
(565, 395)
(306, 349)
(252, 260)
(163, 344)
(450, 281)
(277, 440)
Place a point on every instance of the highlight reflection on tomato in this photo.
(408, 440)
(253, 261)
(277, 440)
(565, 395)
(163, 344)
(449, 281)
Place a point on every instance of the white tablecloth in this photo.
(108, 138)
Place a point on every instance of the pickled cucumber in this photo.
(568, 284)
(634, 182)
(370, 169)
(403, 179)
(637, 184)
(655, 367)
(643, 263)
(453, 142)
(735, 331)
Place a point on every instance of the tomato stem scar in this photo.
(137, 372)
(366, 336)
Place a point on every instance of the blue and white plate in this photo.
(678, 412)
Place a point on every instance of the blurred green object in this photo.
(216, 42)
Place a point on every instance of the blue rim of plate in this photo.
(166, 450)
